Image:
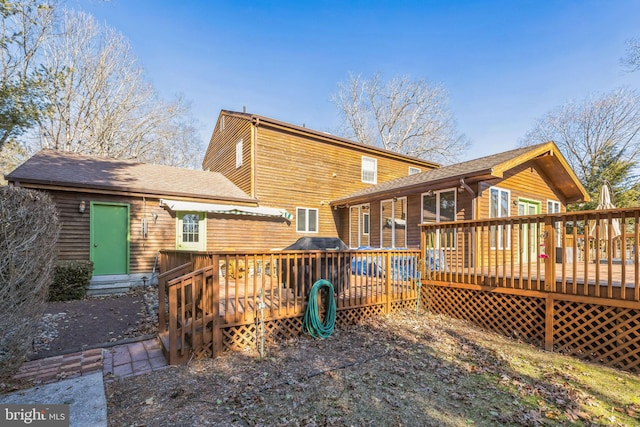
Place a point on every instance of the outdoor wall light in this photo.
(155, 217)
(82, 206)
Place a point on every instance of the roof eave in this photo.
(259, 120)
(434, 185)
(93, 188)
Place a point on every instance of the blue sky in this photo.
(503, 63)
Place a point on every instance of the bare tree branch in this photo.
(409, 117)
(631, 61)
(595, 134)
(102, 104)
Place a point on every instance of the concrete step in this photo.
(115, 284)
(95, 290)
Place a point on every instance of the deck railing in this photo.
(231, 288)
(574, 253)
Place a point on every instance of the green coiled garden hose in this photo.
(311, 323)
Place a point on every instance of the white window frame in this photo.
(369, 166)
(366, 226)
(307, 224)
(556, 208)
(239, 154)
(414, 170)
(393, 201)
(499, 237)
(438, 218)
(201, 244)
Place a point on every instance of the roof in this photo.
(64, 169)
(259, 120)
(494, 166)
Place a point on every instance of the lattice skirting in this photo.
(595, 332)
(599, 333)
(408, 304)
(515, 316)
(241, 337)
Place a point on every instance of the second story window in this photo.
(369, 170)
(238, 154)
(413, 171)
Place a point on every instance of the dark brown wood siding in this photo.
(464, 210)
(74, 239)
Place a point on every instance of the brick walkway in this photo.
(117, 362)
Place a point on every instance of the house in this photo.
(298, 169)
(267, 183)
(119, 213)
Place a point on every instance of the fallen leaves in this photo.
(373, 373)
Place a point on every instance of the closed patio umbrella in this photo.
(605, 201)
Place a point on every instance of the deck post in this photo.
(548, 323)
(217, 346)
(173, 325)
(550, 251)
(387, 279)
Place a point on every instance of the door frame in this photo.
(360, 211)
(201, 245)
(528, 234)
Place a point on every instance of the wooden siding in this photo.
(464, 211)
(245, 233)
(299, 172)
(524, 182)
(224, 232)
(221, 153)
(73, 243)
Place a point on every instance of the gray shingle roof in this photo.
(52, 167)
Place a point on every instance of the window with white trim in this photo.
(365, 224)
(499, 208)
(369, 170)
(393, 223)
(414, 171)
(306, 220)
(554, 207)
(238, 154)
(440, 206)
(191, 231)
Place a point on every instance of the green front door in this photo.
(109, 238)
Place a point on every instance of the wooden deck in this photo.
(212, 309)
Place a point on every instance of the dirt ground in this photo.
(398, 370)
(71, 326)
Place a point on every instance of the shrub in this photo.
(70, 280)
(29, 230)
